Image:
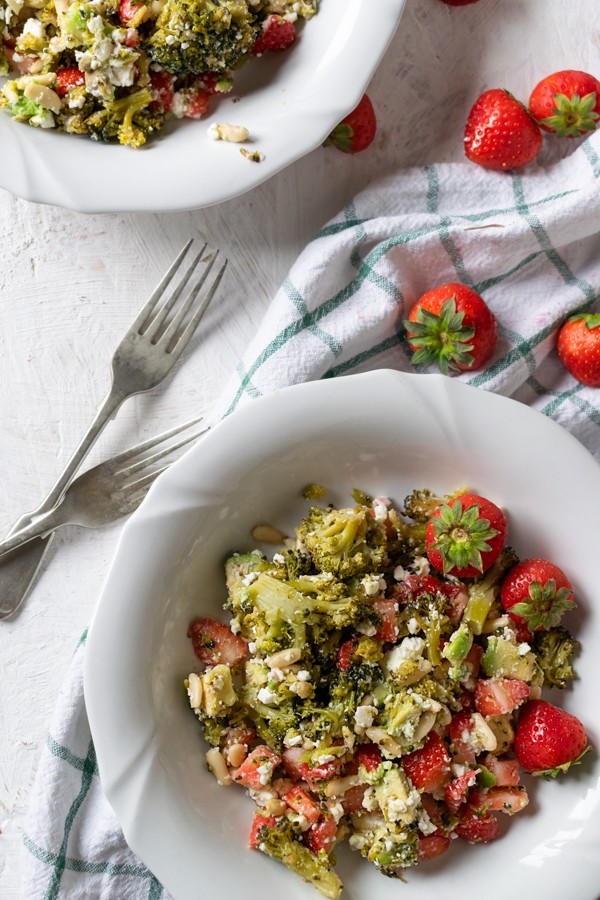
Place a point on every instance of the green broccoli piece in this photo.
(74, 24)
(237, 569)
(421, 505)
(502, 659)
(24, 109)
(389, 848)
(345, 542)
(313, 491)
(281, 843)
(484, 592)
(555, 650)
(127, 120)
(203, 35)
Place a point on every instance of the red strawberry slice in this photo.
(128, 9)
(477, 828)
(496, 696)
(509, 800)
(215, 643)
(346, 653)
(369, 756)
(162, 85)
(68, 78)
(455, 793)
(260, 824)
(432, 845)
(303, 803)
(196, 104)
(504, 770)
(429, 767)
(352, 800)
(388, 612)
(248, 773)
(278, 34)
(322, 835)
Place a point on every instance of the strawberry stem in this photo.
(441, 339)
(461, 536)
(546, 605)
(572, 116)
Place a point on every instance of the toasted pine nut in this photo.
(283, 658)
(425, 724)
(194, 690)
(267, 534)
(236, 754)
(41, 94)
(275, 807)
(484, 733)
(492, 624)
(385, 741)
(303, 689)
(223, 131)
(217, 765)
(339, 786)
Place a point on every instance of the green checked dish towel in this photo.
(529, 243)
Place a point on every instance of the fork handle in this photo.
(109, 406)
(43, 524)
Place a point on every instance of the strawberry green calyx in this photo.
(546, 605)
(461, 537)
(572, 116)
(341, 137)
(552, 773)
(590, 320)
(442, 338)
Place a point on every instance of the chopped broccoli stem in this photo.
(555, 650)
(281, 844)
(484, 592)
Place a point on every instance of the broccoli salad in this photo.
(367, 685)
(116, 70)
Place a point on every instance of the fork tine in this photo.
(132, 499)
(185, 306)
(154, 325)
(113, 465)
(181, 340)
(149, 460)
(159, 289)
(146, 480)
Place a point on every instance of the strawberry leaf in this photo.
(461, 536)
(441, 339)
(572, 116)
(546, 605)
(552, 773)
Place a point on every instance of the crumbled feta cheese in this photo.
(248, 579)
(366, 628)
(408, 648)
(399, 573)
(326, 758)
(33, 27)
(265, 771)
(293, 741)
(380, 508)
(524, 649)
(370, 801)
(412, 625)
(276, 675)
(364, 716)
(371, 585)
(235, 626)
(252, 647)
(421, 565)
(425, 824)
(279, 558)
(303, 675)
(337, 811)
(267, 696)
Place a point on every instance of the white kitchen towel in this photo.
(529, 243)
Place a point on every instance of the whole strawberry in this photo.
(500, 134)
(549, 740)
(567, 103)
(451, 326)
(579, 348)
(537, 593)
(464, 537)
(356, 132)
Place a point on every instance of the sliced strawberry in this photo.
(216, 643)
(461, 727)
(316, 776)
(467, 701)
(473, 660)
(353, 798)
(162, 90)
(278, 34)
(429, 767)
(67, 79)
(477, 828)
(455, 793)
(128, 9)
(504, 770)
(259, 825)
(322, 835)
(346, 652)
(388, 612)
(496, 696)
(292, 762)
(196, 104)
(303, 803)
(214, 82)
(509, 800)
(248, 773)
(434, 809)
(132, 38)
(369, 756)
(431, 845)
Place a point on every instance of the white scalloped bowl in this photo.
(289, 102)
(387, 433)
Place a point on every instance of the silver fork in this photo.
(144, 357)
(109, 490)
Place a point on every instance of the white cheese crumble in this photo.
(524, 649)
(408, 648)
(412, 625)
(235, 626)
(303, 675)
(267, 696)
(248, 579)
(265, 771)
(399, 573)
(279, 558)
(366, 628)
(364, 716)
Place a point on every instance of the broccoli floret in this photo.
(555, 650)
(503, 659)
(313, 491)
(237, 569)
(345, 542)
(203, 35)
(484, 592)
(127, 120)
(349, 686)
(281, 843)
(272, 723)
(388, 847)
(421, 505)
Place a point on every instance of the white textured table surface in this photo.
(70, 285)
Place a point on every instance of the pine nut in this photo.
(236, 134)
(426, 723)
(492, 624)
(236, 754)
(303, 689)
(194, 690)
(275, 807)
(217, 765)
(339, 786)
(41, 94)
(284, 658)
(266, 534)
